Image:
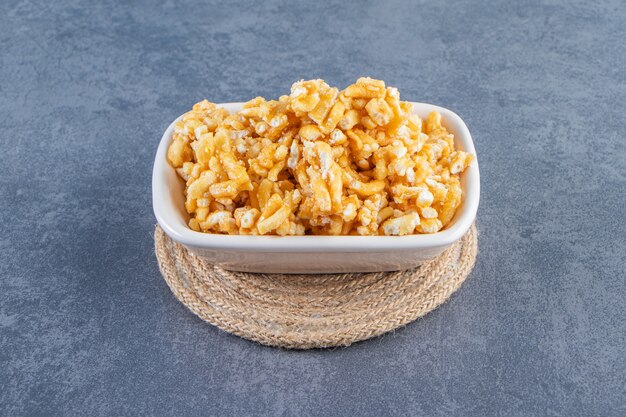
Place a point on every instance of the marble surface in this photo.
(87, 325)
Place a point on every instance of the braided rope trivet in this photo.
(312, 311)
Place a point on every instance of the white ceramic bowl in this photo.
(313, 254)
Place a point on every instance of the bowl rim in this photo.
(163, 209)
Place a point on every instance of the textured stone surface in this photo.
(87, 325)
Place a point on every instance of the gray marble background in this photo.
(87, 325)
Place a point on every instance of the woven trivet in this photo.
(312, 311)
